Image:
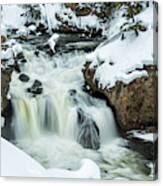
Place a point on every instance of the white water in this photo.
(48, 126)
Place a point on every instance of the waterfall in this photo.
(63, 108)
(61, 124)
(35, 116)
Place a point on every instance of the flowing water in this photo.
(64, 124)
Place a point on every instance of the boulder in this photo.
(24, 77)
(84, 11)
(135, 104)
(144, 141)
(3, 39)
(36, 88)
(72, 6)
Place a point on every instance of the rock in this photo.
(84, 11)
(24, 77)
(3, 39)
(5, 80)
(41, 28)
(72, 6)
(36, 53)
(19, 56)
(6, 107)
(36, 88)
(144, 142)
(135, 104)
(7, 131)
(36, 84)
(89, 134)
(23, 60)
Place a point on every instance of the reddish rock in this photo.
(84, 11)
(72, 6)
(3, 39)
(135, 104)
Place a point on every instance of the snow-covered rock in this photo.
(123, 59)
(125, 72)
(17, 49)
(52, 41)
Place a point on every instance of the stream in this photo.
(58, 123)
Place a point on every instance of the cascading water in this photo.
(63, 124)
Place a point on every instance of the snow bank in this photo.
(123, 59)
(15, 162)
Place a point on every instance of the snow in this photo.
(17, 49)
(151, 137)
(52, 41)
(7, 54)
(2, 121)
(11, 16)
(49, 12)
(32, 27)
(14, 48)
(23, 31)
(15, 162)
(123, 60)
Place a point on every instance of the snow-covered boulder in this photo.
(52, 42)
(125, 72)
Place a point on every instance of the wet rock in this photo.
(41, 28)
(7, 130)
(72, 6)
(81, 116)
(23, 60)
(36, 88)
(36, 53)
(144, 142)
(5, 80)
(88, 136)
(36, 84)
(84, 11)
(72, 92)
(24, 77)
(135, 104)
(3, 39)
(27, 24)
(73, 96)
(19, 56)
(17, 68)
